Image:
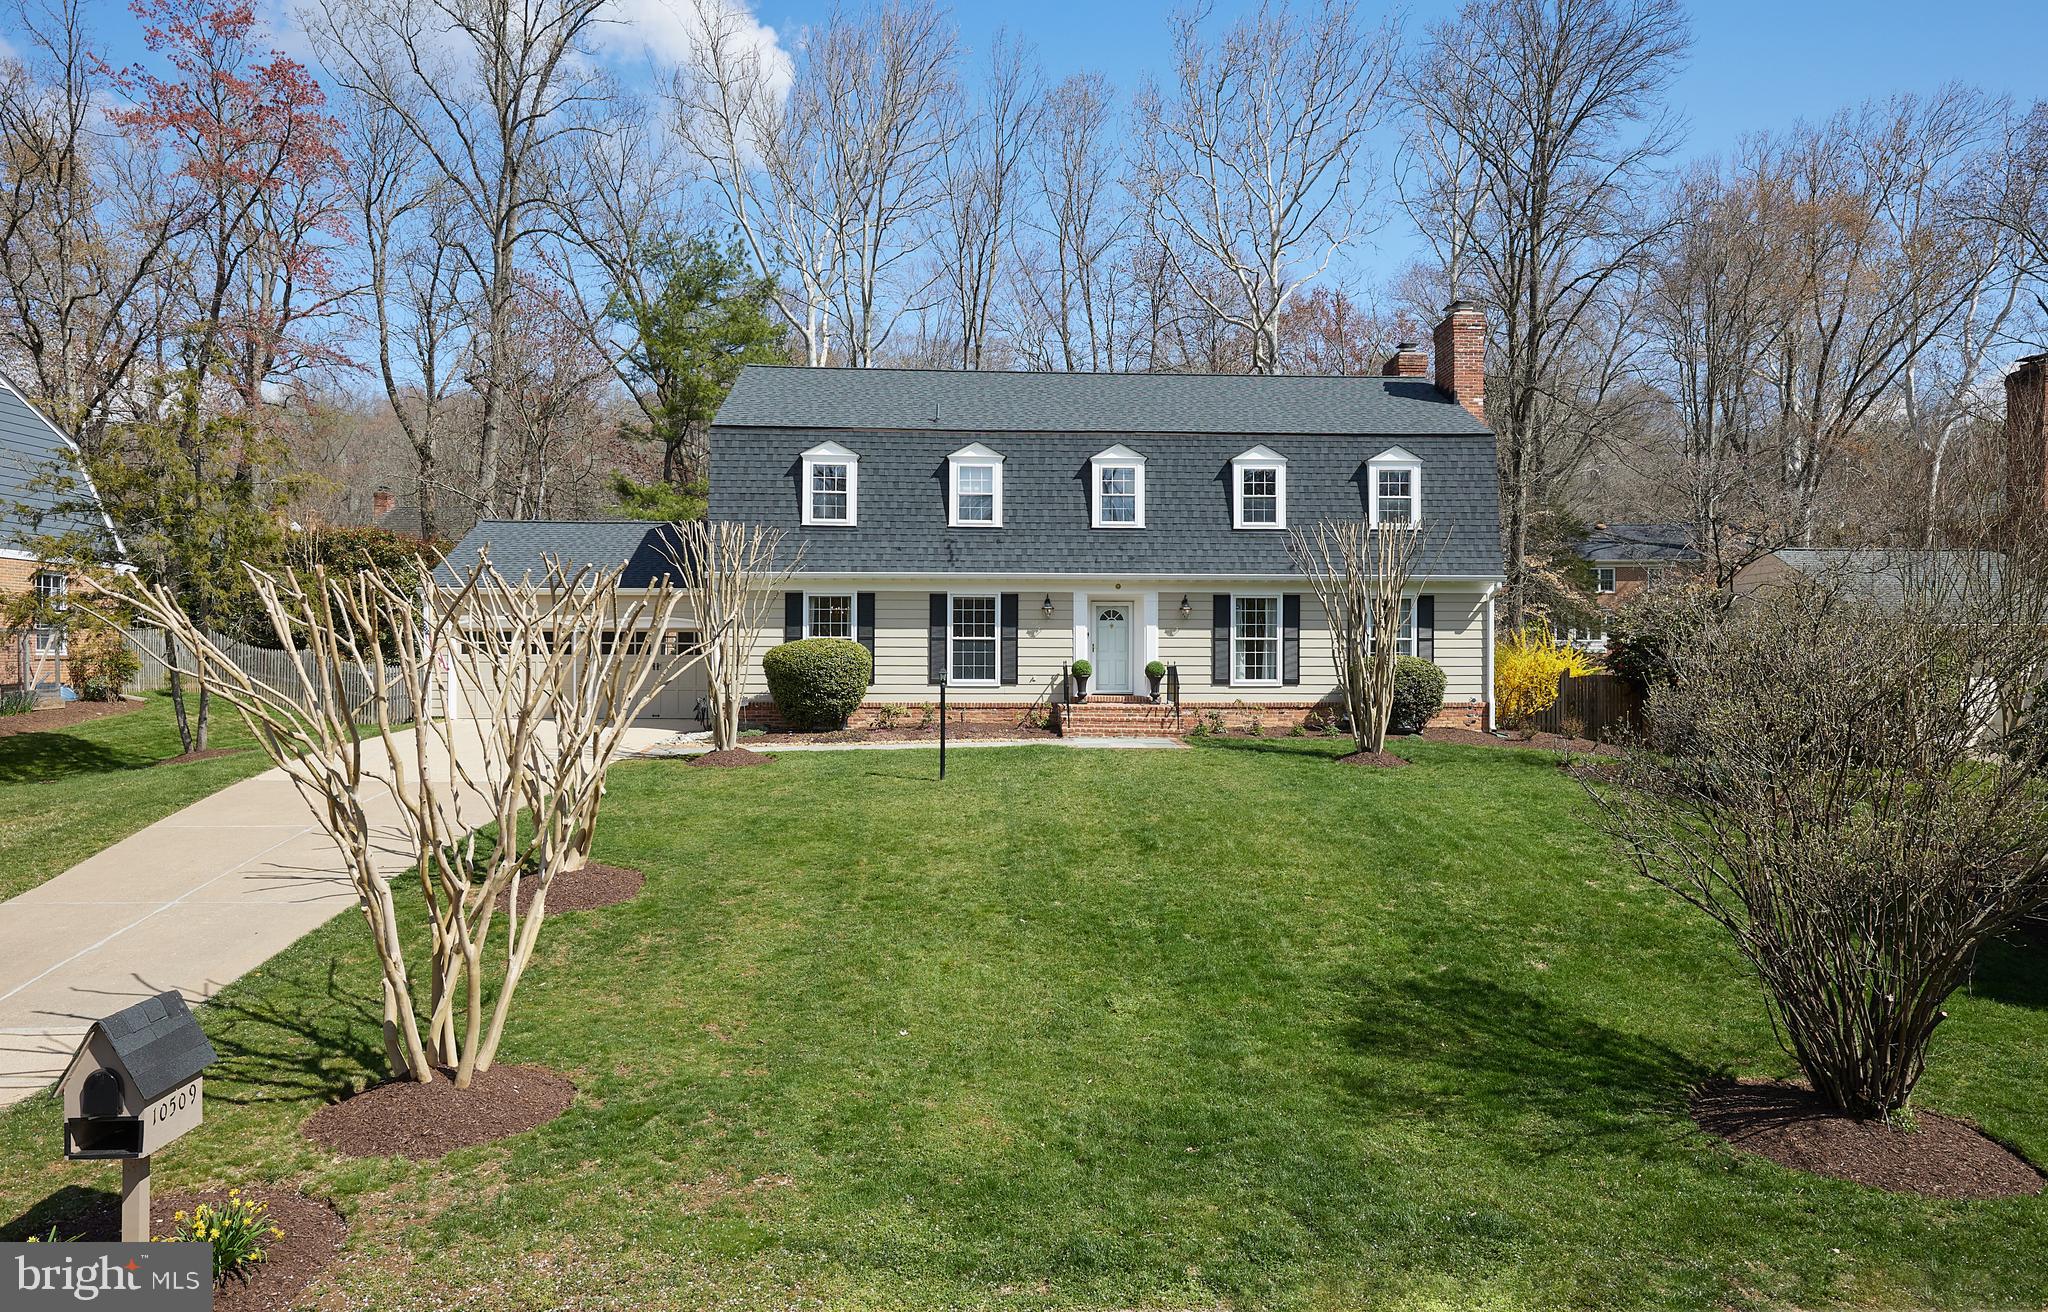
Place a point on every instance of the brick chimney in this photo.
(2026, 434)
(1407, 361)
(381, 502)
(1461, 356)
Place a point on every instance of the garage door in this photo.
(678, 701)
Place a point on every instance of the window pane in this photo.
(1397, 495)
(1255, 638)
(49, 583)
(974, 639)
(976, 489)
(1119, 494)
(830, 617)
(1259, 500)
(829, 492)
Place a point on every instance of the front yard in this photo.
(1229, 1027)
(67, 793)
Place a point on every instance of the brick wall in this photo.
(1460, 347)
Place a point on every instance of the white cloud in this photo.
(664, 32)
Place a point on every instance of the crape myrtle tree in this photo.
(1846, 774)
(733, 575)
(525, 689)
(1360, 575)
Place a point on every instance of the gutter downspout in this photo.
(1486, 653)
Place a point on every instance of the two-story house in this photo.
(989, 529)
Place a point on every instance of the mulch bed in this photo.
(587, 889)
(1379, 760)
(1544, 742)
(1941, 1157)
(403, 1118)
(52, 718)
(730, 759)
(207, 755)
(313, 1233)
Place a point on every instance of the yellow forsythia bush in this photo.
(1526, 668)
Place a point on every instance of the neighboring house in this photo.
(1628, 558)
(31, 449)
(988, 529)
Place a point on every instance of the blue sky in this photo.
(1754, 66)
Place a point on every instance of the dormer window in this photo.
(1258, 489)
(976, 499)
(1395, 486)
(1117, 489)
(831, 485)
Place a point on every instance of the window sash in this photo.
(1404, 639)
(974, 494)
(1603, 579)
(831, 491)
(1259, 496)
(1396, 495)
(1255, 639)
(51, 585)
(1118, 494)
(828, 615)
(971, 639)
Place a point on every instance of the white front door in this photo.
(1113, 648)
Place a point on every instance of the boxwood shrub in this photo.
(817, 682)
(1418, 694)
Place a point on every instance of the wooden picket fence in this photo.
(267, 664)
(1598, 706)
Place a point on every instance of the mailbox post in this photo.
(133, 1086)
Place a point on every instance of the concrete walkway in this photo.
(192, 903)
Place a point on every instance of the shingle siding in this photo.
(902, 528)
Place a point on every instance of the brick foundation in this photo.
(1114, 716)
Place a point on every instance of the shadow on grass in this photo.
(2014, 969)
(73, 1212)
(1308, 748)
(43, 757)
(306, 1050)
(1464, 1049)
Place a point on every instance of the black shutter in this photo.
(1425, 626)
(1219, 640)
(1007, 656)
(792, 616)
(864, 628)
(937, 635)
(1290, 638)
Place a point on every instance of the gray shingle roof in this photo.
(159, 1043)
(1635, 543)
(1886, 573)
(30, 449)
(520, 547)
(989, 401)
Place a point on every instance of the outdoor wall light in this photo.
(1046, 608)
(1185, 609)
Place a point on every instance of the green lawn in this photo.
(68, 793)
(1225, 1028)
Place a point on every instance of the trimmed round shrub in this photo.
(1082, 669)
(1418, 694)
(817, 682)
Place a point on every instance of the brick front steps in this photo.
(1119, 717)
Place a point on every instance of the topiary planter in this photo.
(1155, 674)
(1081, 670)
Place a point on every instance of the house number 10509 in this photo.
(174, 1104)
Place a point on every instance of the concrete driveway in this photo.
(192, 903)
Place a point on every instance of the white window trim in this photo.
(973, 457)
(1392, 459)
(1279, 640)
(852, 612)
(1604, 579)
(996, 600)
(1259, 457)
(1410, 603)
(1117, 457)
(831, 453)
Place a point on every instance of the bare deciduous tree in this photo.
(982, 173)
(1543, 115)
(1360, 575)
(536, 681)
(1246, 170)
(1845, 773)
(829, 177)
(495, 93)
(1068, 287)
(733, 578)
